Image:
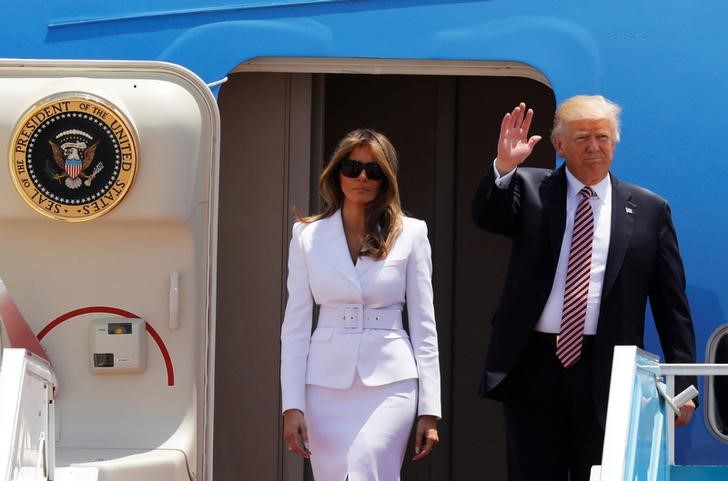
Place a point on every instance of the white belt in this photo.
(353, 318)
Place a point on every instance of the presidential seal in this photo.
(73, 157)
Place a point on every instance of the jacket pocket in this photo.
(395, 334)
(322, 334)
(394, 262)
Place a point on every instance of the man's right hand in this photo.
(513, 144)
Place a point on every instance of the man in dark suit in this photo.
(566, 304)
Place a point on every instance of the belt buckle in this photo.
(353, 318)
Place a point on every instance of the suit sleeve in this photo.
(421, 317)
(669, 302)
(495, 209)
(296, 327)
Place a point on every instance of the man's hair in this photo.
(586, 107)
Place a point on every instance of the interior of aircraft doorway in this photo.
(277, 131)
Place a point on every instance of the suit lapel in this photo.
(623, 214)
(364, 264)
(553, 195)
(337, 249)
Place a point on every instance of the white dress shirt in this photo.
(550, 320)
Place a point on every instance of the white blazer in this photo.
(320, 270)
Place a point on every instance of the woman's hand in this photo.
(295, 432)
(426, 436)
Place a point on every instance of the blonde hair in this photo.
(383, 215)
(586, 107)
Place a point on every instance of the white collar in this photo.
(574, 185)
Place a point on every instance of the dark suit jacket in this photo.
(643, 262)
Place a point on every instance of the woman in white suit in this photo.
(353, 388)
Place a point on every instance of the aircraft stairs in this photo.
(639, 440)
(28, 451)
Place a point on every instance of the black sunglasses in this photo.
(352, 168)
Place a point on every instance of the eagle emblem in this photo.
(74, 156)
(73, 153)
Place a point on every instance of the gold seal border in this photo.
(74, 96)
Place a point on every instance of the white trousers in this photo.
(360, 432)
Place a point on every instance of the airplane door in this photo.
(108, 217)
(278, 130)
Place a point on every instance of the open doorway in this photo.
(277, 132)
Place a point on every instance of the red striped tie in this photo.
(576, 290)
